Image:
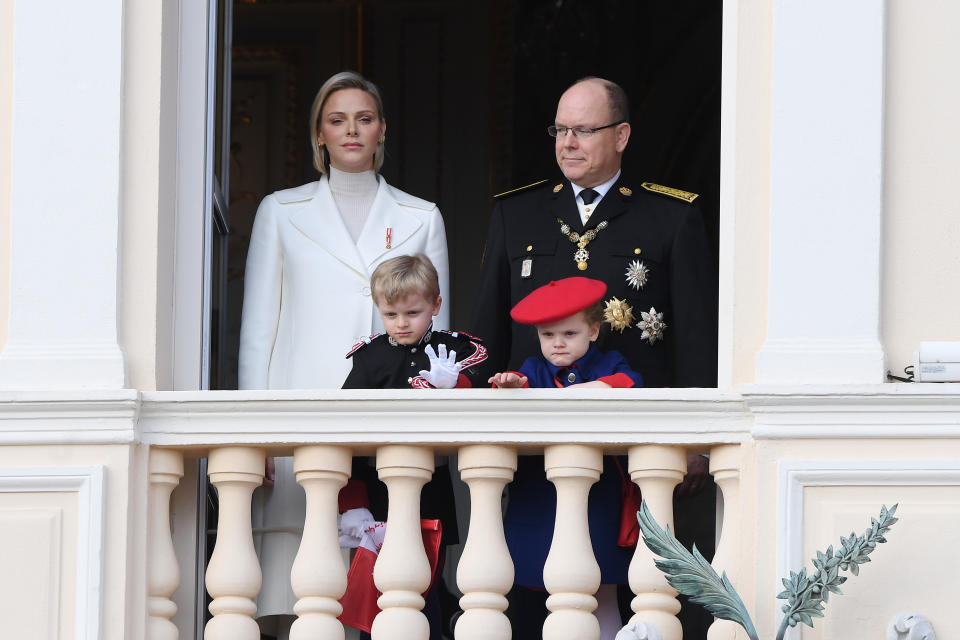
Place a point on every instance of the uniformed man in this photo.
(645, 241)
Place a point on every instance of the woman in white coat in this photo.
(307, 289)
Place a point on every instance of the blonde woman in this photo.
(307, 296)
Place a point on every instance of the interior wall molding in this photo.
(794, 476)
(88, 484)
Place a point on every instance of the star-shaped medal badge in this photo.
(637, 274)
(652, 324)
(618, 314)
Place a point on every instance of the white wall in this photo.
(745, 187)
(921, 262)
(6, 99)
(837, 486)
(114, 584)
(141, 190)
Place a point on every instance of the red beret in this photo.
(558, 300)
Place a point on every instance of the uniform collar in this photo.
(601, 189)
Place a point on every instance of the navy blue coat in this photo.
(594, 365)
(531, 513)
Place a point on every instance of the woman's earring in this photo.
(383, 139)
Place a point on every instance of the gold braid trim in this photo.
(533, 184)
(686, 196)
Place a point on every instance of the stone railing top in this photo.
(617, 417)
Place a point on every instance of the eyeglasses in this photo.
(578, 132)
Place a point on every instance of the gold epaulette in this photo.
(686, 196)
(519, 189)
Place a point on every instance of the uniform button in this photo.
(529, 247)
(365, 291)
(412, 363)
(409, 380)
(413, 349)
(571, 377)
(637, 251)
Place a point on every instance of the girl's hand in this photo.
(507, 380)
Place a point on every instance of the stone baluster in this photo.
(656, 469)
(233, 575)
(571, 573)
(485, 572)
(318, 576)
(402, 572)
(725, 468)
(163, 573)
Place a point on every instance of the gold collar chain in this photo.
(581, 255)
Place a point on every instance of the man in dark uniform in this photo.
(645, 241)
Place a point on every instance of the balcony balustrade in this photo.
(486, 430)
(772, 451)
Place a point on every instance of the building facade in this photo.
(837, 258)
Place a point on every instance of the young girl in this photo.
(567, 314)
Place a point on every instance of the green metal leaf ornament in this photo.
(805, 595)
(691, 574)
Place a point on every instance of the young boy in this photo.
(567, 314)
(411, 354)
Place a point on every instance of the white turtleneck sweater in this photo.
(354, 194)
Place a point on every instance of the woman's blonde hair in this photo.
(397, 278)
(336, 82)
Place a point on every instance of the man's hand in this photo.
(444, 368)
(507, 380)
(698, 468)
(269, 472)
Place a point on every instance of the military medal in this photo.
(581, 255)
(652, 324)
(526, 268)
(389, 237)
(637, 274)
(618, 314)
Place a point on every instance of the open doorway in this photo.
(469, 88)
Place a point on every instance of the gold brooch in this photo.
(625, 191)
(557, 188)
(618, 314)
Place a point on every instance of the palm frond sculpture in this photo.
(690, 573)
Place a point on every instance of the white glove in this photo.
(639, 631)
(444, 369)
(352, 525)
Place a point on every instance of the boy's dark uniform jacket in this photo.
(664, 231)
(379, 365)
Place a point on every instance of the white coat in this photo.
(306, 302)
(307, 287)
